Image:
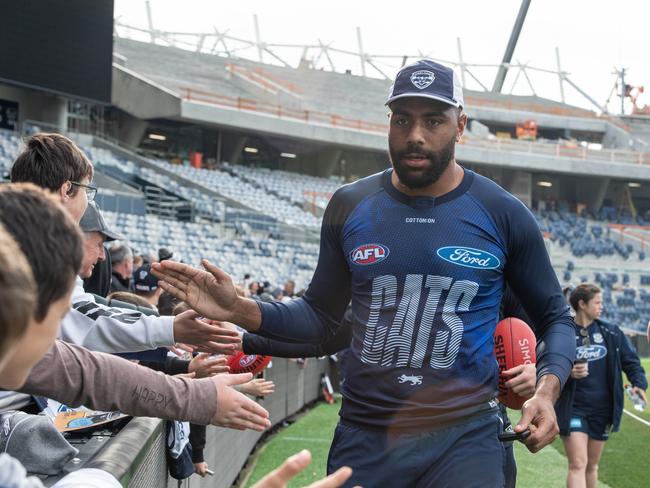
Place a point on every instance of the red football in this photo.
(248, 363)
(514, 344)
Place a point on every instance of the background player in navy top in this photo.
(423, 250)
(592, 403)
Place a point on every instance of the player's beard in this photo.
(421, 178)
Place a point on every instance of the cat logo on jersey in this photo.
(469, 257)
(369, 254)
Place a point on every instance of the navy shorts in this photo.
(467, 455)
(596, 426)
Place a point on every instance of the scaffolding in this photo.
(325, 56)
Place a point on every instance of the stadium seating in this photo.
(248, 193)
(293, 187)
(587, 237)
(125, 170)
(10, 145)
(267, 259)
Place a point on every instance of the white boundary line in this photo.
(637, 418)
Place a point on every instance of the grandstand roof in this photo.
(209, 77)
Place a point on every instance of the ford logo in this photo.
(369, 254)
(591, 353)
(469, 257)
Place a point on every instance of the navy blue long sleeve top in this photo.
(426, 277)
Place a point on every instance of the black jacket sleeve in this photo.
(197, 440)
(171, 366)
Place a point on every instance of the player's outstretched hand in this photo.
(280, 477)
(234, 409)
(538, 415)
(523, 379)
(648, 331)
(207, 337)
(210, 292)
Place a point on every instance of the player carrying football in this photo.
(423, 250)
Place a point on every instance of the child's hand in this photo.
(258, 387)
(205, 366)
(201, 469)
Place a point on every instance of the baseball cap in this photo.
(35, 442)
(427, 79)
(92, 221)
(143, 280)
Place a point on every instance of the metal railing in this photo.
(560, 150)
(280, 111)
(136, 456)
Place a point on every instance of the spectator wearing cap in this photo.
(146, 286)
(96, 233)
(122, 259)
(111, 329)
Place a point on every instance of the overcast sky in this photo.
(594, 36)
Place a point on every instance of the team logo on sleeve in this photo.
(367, 254)
(469, 257)
(422, 78)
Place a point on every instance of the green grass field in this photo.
(625, 462)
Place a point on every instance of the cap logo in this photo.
(422, 78)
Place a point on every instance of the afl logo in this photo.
(469, 257)
(247, 360)
(369, 254)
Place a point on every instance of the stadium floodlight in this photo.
(252, 150)
(634, 184)
(545, 184)
(157, 137)
(288, 155)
